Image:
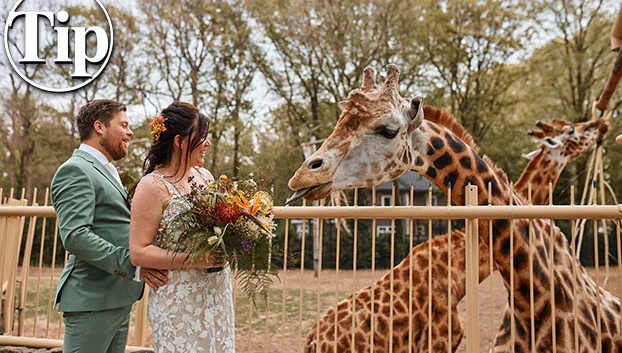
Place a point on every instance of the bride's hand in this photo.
(215, 259)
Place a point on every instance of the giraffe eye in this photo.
(387, 132)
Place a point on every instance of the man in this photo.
(99, 283)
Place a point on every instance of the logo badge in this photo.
(55, 50)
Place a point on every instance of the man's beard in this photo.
(117, 152)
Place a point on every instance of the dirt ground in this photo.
(284, 330)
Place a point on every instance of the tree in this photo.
(467, 47)
(568, 73)
(202, 55)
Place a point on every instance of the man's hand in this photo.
(154, 278)
(216, 259)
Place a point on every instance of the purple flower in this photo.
(245, 245)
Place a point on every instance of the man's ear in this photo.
(415, 113)
(98, 127)
(342, 105)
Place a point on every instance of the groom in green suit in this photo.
(99, 284)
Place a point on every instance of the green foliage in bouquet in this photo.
(231, 218)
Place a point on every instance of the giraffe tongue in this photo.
(313, 193)
(298, 194)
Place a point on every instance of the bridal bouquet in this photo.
(234, 218)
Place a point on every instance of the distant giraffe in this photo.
(560, 143)
(378, 137)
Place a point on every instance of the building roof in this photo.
(415, 179)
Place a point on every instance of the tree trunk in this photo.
(14, 142)
(237, 131)
(214, 162)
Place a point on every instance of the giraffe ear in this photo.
(415, 113)
(342, 105)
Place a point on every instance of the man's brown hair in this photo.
(99, 109)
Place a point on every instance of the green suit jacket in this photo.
(94, 225)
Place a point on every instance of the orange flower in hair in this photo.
(157, 127)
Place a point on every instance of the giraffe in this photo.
(378, 137)
(560, 143)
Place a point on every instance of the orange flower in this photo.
(255, 208)
(241, 200)
(157, 126)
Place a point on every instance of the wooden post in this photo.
(472, 274)
(141, 319)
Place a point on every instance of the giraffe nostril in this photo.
(315, 164)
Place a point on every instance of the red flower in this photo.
(226, 213)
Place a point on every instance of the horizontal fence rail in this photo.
(346, 265)
(414, 212)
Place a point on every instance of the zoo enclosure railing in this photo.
(16, 280)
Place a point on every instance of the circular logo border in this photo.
(58, 90)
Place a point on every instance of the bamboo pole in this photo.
(26, 268)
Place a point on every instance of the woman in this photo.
(194, 310)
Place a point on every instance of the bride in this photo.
(193, 311)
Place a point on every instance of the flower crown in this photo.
(157, 127)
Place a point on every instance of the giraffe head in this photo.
(568, 141)
(372, 142)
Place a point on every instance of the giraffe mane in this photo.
(442, 117)
(498, 171)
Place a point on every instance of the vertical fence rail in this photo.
(26, 268)
(573, 247)
(337, 297)
(40, 267)
(391, 265)
(531, 293)
(302, 269)
(472, 274)
(373, 274)
(551, 266)
(285, 275)
(51, 282)
(449, 273)
(430, 319)
(354, 265)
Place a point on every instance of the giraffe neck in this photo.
(542, 170)
(445, 159)
(447, 162)
(544, 167)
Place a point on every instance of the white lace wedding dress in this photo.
(193, 312)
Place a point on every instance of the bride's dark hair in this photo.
(181, 119)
